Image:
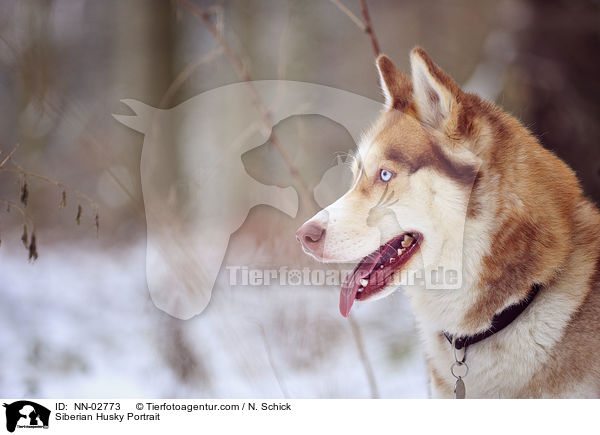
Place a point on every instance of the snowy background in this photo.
(79, 324)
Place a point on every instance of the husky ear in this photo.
(395, 85)
(435, 92)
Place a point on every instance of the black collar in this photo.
(499, 321)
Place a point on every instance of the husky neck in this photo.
(517, 233)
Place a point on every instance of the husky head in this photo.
(425, 200)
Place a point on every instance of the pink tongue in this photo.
(351, 285)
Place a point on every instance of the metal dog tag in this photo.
(459, 389)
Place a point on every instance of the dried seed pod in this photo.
(97, 223)
(63, 200)
(79, 213)
(24, 192)
(33, 254)
(24, 237)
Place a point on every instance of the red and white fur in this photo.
(495, 205)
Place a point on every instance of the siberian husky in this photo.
(445, 181)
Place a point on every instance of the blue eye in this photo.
(385, 175)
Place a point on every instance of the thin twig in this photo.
(365, 26)
(350, 14)
(282, 57)
(273, 368)
(7, 158)
(20, 170)
(364, 359)
(26, 217)
(184, 75)
(369, 27)
(28, 241)
(64, 186)
(204, 16)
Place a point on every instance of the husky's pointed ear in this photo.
(435, 92)
(395, 85)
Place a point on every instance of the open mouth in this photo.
(374, 272)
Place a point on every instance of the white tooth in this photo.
(400, 251)
(360, 289)
(392, 260)
(407, 241)
(364, 282)
(381, 267)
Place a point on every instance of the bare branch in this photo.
(185, 74)
(26, 217)
(22, 172)
(369, 27)
(364, 359)
(278, 377)
(7, 158)
(350, 15)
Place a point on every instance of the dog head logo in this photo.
(26, 414)
(195, 187)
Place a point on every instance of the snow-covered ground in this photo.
(80, 323)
